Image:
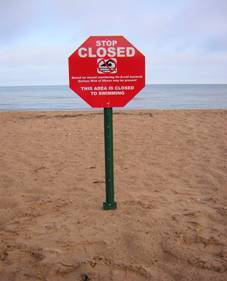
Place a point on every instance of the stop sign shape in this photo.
(107, 71)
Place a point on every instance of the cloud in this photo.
(186, 38)
(17, 20)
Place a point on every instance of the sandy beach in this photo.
(171, 190)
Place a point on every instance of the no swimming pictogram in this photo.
(106, 65)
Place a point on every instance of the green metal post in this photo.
(109, 204)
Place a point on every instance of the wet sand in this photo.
(171, 190)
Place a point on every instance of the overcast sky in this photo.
(184, 41)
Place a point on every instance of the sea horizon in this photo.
(153, 96)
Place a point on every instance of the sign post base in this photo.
(110, 204)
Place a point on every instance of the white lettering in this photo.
(107, 43)
(82, 55)
(86, 88)
(124, 88)
(111, 52)
(120, 52)
(130, 52)
(90, 55)
(102, 52)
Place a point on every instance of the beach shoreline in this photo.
(170, 181)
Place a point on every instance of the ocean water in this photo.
(47, 98)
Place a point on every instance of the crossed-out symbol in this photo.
(107, 65)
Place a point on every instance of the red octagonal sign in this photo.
(107, 71)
